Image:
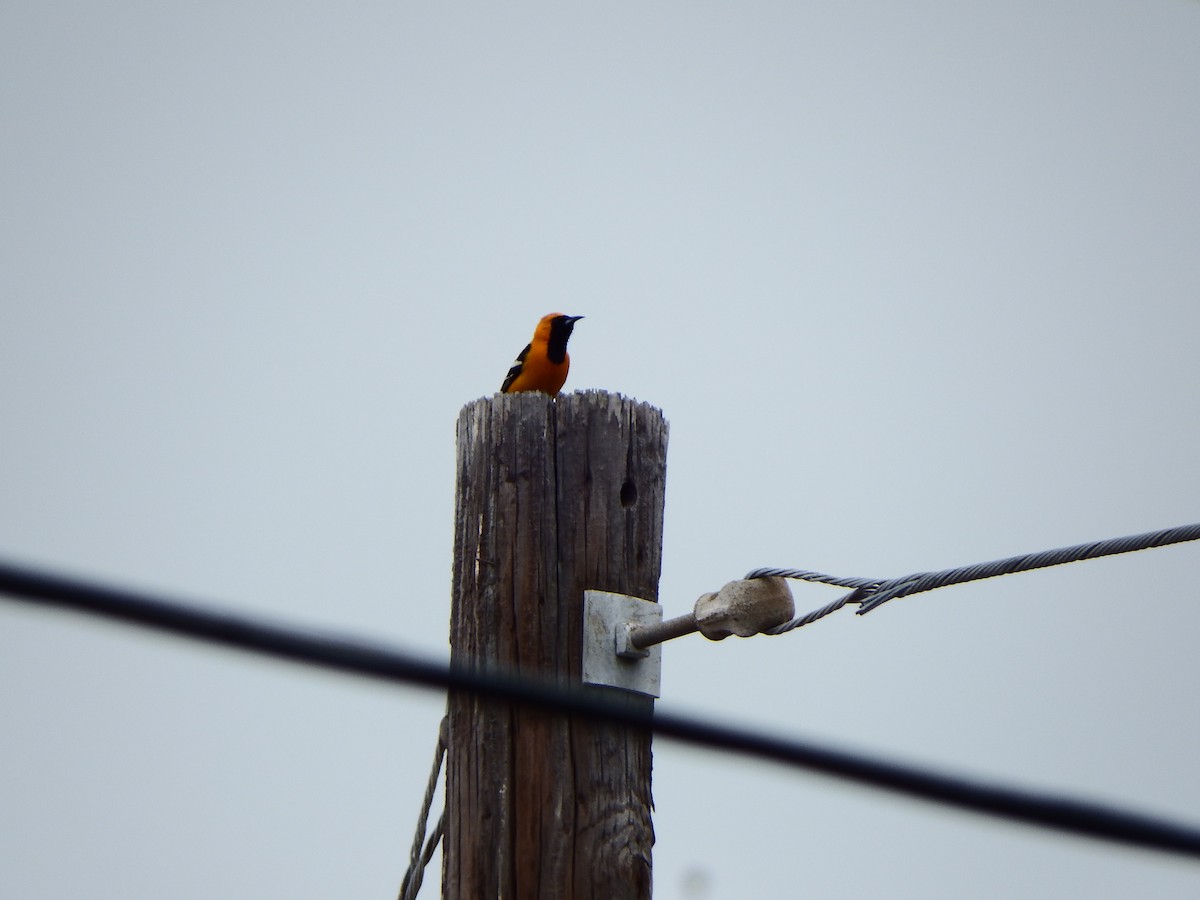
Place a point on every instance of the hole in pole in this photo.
(628, 493)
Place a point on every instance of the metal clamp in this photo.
(622, 635)
(608, 657)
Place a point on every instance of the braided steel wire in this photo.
(872, 593)
(422, 850)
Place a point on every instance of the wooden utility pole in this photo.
(554, 497)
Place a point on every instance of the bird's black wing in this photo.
(516, 369)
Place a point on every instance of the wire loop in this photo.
(872, 593)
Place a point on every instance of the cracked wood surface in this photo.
(554, 497)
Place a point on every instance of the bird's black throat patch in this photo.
(560, 332)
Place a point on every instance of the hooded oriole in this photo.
(543, 364)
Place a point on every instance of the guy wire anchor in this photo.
(622, 634)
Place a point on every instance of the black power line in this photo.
(1064, 814)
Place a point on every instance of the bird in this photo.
(543, 364)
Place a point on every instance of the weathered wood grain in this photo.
(554, 497)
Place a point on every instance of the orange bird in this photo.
(543, 364)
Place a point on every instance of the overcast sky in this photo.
(916, 285)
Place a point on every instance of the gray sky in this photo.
(916, 285)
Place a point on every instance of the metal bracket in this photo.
(608, 656)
